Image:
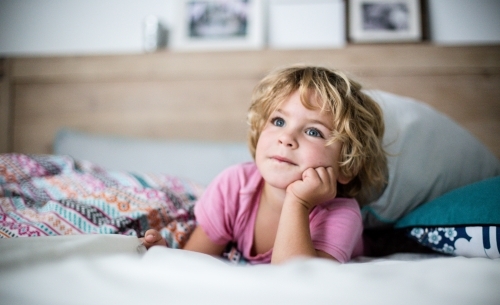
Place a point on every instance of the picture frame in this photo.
(384, 21)
(204, 25)
(306, 24)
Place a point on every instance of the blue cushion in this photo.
(474, 204)
(465, 221)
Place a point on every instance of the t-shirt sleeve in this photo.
(337, 229)
(215, 210)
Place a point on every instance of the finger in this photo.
(151, 239)
(152, 236)
(309, 173)
(150, 231)
(331, 174)
(323, 174)
(145, 243)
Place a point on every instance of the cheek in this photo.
(322, 156)
(263, 141)
(319, 161)
(260, 150)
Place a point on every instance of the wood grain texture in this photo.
(359, 59)
(205, 96)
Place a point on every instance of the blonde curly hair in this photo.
(357, 120)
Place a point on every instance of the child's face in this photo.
(293, 140)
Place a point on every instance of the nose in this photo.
(288, 139)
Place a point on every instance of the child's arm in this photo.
(200, 242)
(293, 238)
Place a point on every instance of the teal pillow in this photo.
(465, 221)
(474, 204)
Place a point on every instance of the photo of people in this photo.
(385, 16)
(217, 19)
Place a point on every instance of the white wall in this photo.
(459, 22)
(34, 27)
(51, 27)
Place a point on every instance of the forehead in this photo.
(311, 109)
(308, 99)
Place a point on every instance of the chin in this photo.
(279, 182)
(277, 176)
(281, 186)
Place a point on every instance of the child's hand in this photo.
(317, 186)
(153, 238)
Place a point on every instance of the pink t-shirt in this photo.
(227, 211)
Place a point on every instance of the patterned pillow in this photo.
(462, 222)
(473, 241)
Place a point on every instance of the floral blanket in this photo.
(44, 195)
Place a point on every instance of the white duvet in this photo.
(109, 269)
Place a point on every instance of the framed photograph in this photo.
(385, 20)
(218, 25)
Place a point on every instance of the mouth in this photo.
(282, 160)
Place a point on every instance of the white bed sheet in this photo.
(108, 269)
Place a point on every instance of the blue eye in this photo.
(278, 122)
(313, 132)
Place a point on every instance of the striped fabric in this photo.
(46, 195)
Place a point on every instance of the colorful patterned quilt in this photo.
(44, 195)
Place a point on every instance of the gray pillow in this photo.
(430, 155)
(195, 160)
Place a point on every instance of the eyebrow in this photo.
(312, 121)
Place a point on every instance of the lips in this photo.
(282, 160)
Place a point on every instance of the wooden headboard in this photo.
(206, 95)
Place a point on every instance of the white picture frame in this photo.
(208, 25)
(385, 21)
(306, 24)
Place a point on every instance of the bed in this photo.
(98, 149)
